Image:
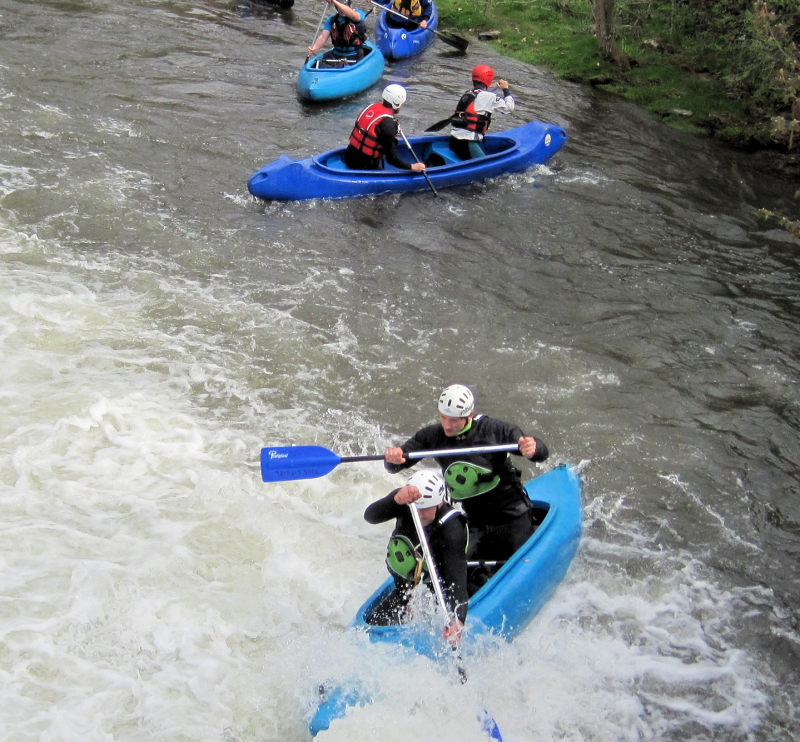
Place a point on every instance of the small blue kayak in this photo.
(329, 83)
(504, 606)
(326, 176)
(399, 43)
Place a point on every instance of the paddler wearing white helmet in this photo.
(373, 140)
(486, 484)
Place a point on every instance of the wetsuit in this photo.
(447, 538)
(501, 518)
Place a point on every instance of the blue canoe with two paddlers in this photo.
(504, 606)
(326, 176)
(319, 83)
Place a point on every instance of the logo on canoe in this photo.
(277, 455)
(547, 139)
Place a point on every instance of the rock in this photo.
(488, 35)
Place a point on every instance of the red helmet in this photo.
(483, 74)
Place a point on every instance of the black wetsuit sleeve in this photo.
(428, 438)
(384, 509)
(541, 450)
(502, 431)
(451, 561)
(387, 130)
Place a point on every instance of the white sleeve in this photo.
(504, 103)
(490, 102)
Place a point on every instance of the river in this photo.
(158, 326)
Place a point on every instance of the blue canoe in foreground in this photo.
(330, 83)
(326, 176)
(399, 43)
(503, 606)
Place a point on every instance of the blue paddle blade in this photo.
(281, 464)
(489, 726)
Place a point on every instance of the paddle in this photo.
(434, 574)
(319, 25)
(281, 464)
(439, 125)
(448, 38)
(414, 155)
(488, 724)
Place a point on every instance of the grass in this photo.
(559, 35)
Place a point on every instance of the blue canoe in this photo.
(503, 606)
(326, 176)
(330, 83)
(399, 43)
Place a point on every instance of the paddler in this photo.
(446, 532)
(417, 11)
(347, 30)
(374, 135)
(474, 110)
(487, 485)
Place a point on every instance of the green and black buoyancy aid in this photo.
(465, 480)
(405, 559)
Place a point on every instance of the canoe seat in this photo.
(336, 162)
(439, 154)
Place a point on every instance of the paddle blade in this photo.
(489, 726)
(281, 464)
(455, 41)
(439, 125)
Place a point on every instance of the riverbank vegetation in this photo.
(725, 68)
(730, 68)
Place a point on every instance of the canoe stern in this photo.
(280, 180)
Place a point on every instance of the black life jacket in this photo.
(466, 117)
(363, 137)
(346, 33)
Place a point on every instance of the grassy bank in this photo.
(694, 84)
(560, 36)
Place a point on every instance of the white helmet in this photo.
(394, 95)
(457, 401)
(431, 485)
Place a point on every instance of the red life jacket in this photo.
(363, 136)
(466, 117)
(346, 33)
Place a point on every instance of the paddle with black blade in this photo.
(439, 125)
(448, 38)
(414, 155)
(487, 722)
(285, 463)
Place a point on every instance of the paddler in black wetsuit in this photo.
(487, 485)
(446, 532)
